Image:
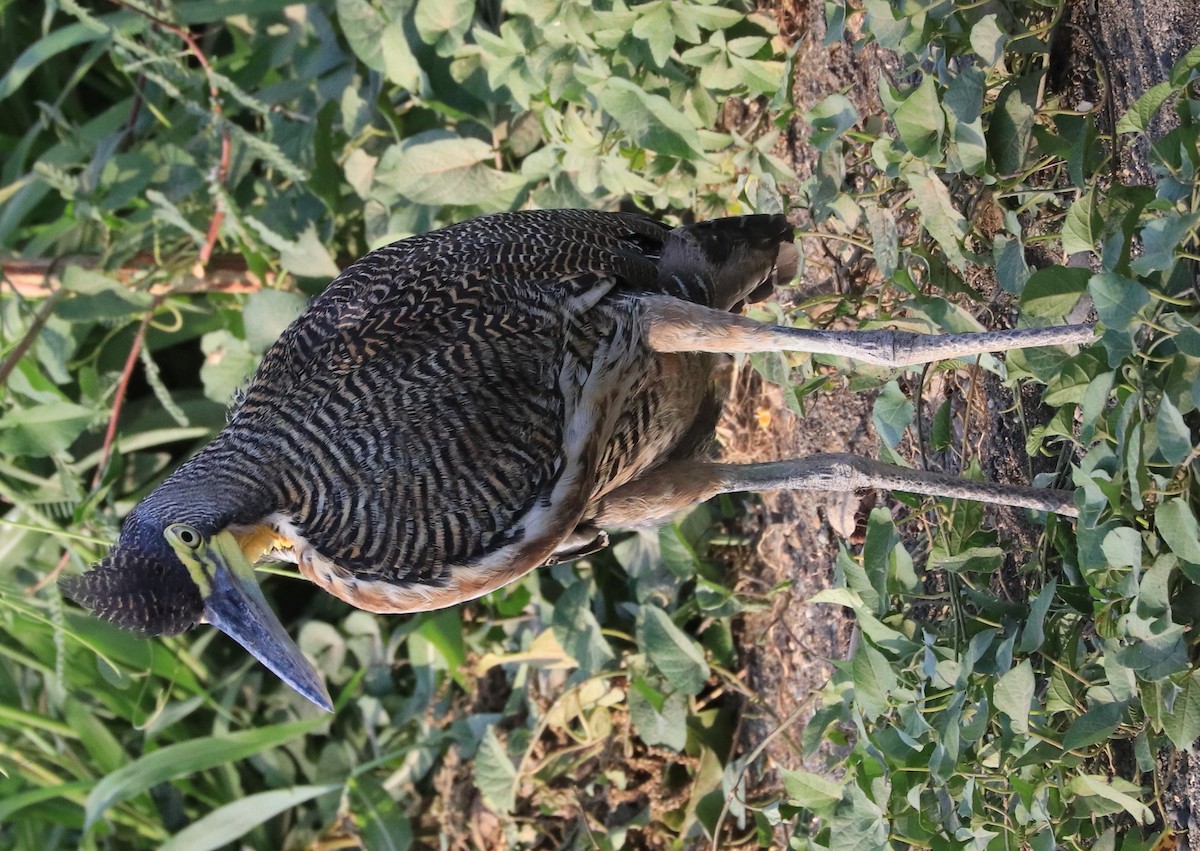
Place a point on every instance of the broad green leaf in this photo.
(1119, 300)
(1175, 439)
(988, 40)
(1185, 66)
(439, 167)
(1011, 128)
(874, 680)
(495, 774)
(44, 430)
(829, 119)
(234, 820)
(1011, 269)
(1137, 119)
(885, 238)
(1081, 225)
(653, 25)
(1052, 293)
(1033, 630)
(650, 120)
(892, 414)
(1093, 726)
(919, 119)
(671, 650)
(187, 758)
(940, 217)
(578, 631)
(267, 313)
(811, 791)
(228, 363)
(1099, 786)
(659, 719)
(1161, 242)
(1177, 526)
(1182, 722)
(1013, 695)
(443, 23)
(1122, 547)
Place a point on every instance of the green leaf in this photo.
(1012, 271)
(874, 680)
(1182, 722)
(885, 238)
(658, 719)
(940, 217)
(654, 26)
(919, 119)
(1094, 726)
(1033, 630)
(234, 820)
(267, 313)
(671, 650)
(829, 119)
(1137, 119)
(495, 774)
(650, 120)
(1119, 300)
(1161, 242)
(811, 791)
(1082, 224)
(1183, 68)
(1011, 128)
(443, 23)
(1099, 786)
(1071, 381)
(1177, 526)
(988, 40)
(1013, 695)
(439, 167)
(578, 631)
(892, 414)
(1052, 293)
(1175, 439)
(228, 362)
(44, 430)
(1122, 547)
(186, 758)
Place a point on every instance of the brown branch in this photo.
(214, 99)
(39, 278)
(43, 315)
(135, 348)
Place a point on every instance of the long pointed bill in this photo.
(237, 607)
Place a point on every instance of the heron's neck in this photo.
(217, 488)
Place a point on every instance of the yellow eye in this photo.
(184, 534)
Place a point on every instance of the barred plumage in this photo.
(413, 422)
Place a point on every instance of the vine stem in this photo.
(135, 349)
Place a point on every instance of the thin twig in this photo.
(135, 349)
(49, 578)
(750, 759)
(18, 352)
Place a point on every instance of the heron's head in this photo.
(164, 577)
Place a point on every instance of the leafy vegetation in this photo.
(215, 161)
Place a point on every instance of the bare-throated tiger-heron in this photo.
(459, 408)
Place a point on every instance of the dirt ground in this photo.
(1105, 49)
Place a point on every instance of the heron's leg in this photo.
(678, 485)
(674, 325)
